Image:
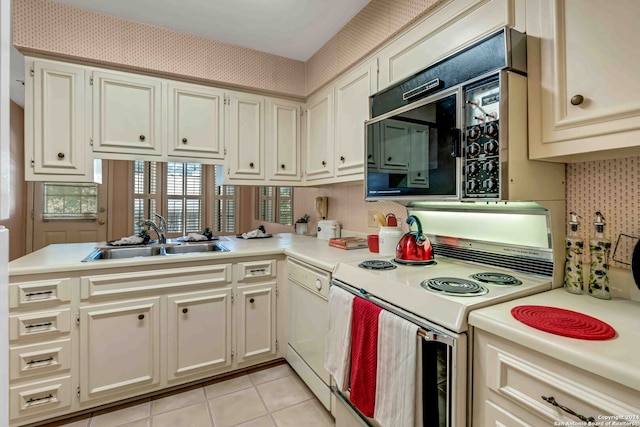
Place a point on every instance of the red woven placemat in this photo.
(563, 322)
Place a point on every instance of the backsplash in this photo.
(346, 205)
(613, 188)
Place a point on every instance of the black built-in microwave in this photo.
(437, 136)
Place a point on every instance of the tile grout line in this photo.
(209, 410)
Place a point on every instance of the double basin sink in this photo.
(154, 250)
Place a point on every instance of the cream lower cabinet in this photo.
(256, 334)
(120, 348)
(516, 386)
(40, 349)
(198, 332)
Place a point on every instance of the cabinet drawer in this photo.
(39, 397)
(37, 359)
(144, 281)
(525, 381)
(45, 324)
(41, 293)
(255, 269)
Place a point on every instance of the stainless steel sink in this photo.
(190, 248)
(153, 250)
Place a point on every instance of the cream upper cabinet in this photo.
(584, 64)
(56, 140)
(119, 348)
(246, 136)
(319, 136)
(198, 332)
(195, 121)
(351, 110)
(283, 140)
(127, 114)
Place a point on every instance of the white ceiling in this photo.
(291, 28)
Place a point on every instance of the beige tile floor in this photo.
(272, 397)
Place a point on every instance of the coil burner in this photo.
(454, 286)
(377, 264)
(497, 279)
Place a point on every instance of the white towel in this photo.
(194, 237)
(253, 234)
(337, 351)
(396, 374)
(131, 240)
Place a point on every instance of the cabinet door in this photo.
(119, 348)
(352, 109)
(256, 333)
(199, 332)
(127, 113)
(283, 140)
(319, 136)
(196, 117)
(419, 156)
(56, 143)
(395, 152)
(587, 96)
(246, 136)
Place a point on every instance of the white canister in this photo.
(328, 229)
(388, 238)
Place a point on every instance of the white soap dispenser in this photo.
(599, 249)
(573, 277)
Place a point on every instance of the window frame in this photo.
(277, 198)
(208, 198)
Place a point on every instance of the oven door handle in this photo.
(456, 142)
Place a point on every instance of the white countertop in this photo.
(68, 257)
(615, 359)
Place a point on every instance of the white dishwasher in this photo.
(308, 311)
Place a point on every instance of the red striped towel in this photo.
(364, 355)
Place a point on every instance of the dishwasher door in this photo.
(308, 310)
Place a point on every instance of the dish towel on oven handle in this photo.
(395, 400)
(337, 351)
(364, 355)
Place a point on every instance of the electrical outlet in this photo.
(371, 219)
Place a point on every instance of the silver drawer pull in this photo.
(33, 362)
(39, 325)
(258, 270)
(552, 401)
(38, 399)
(33, 294)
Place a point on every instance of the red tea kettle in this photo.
(414, 247)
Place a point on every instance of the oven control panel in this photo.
(482, 140)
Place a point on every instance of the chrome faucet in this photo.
(161, 230)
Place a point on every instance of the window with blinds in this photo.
(275, 204)
(186, 194)
(70, 201)
(224, 209)
(146, 194)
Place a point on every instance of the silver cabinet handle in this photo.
(570, 411)
(33, 362)
(38, 325)
(37, 399)
(33, 294)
